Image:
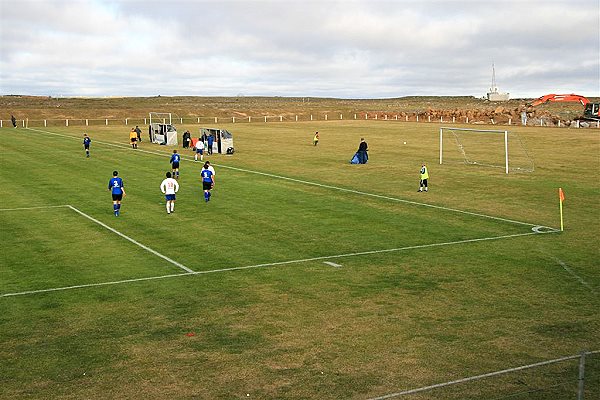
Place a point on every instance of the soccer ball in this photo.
(404, 142)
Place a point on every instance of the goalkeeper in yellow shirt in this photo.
(424, 178)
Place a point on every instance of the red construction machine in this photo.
(591, 111)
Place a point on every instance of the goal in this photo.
(161, 129)
(161, 118)
(489, 148)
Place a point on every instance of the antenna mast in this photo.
(493, 94)
(494, 88)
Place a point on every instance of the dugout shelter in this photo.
(222, 140)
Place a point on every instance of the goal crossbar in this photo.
(158, 117)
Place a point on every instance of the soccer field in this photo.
(304, 276)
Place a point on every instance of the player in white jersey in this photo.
(199, 150)
(169, 187)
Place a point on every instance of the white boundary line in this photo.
(317, 184)
(32, 208)
(580, 279)
(379, 196)
(102, 224)
(303, 260)
(88, 285)
(191, 272)
(332, 264)
(148, 249)
(476, 377)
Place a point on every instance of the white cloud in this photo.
(356, 48)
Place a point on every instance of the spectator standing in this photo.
(186, 139)
(138, 131)
(363, 148)
(523, 117)
(211, 140)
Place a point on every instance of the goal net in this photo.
(161, 118)
(488, 148)
(161, 129)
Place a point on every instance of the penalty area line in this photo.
(88, 285)
(33, 208)
(148, 249)
(579, 278)
(273, 264)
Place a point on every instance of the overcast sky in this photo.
(325, 48)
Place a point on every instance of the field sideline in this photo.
(420, 288)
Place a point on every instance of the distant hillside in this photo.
(34, 107)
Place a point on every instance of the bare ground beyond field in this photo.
(476, 109)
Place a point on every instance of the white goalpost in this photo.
(161, 118)
(478, 150)
(161, 129)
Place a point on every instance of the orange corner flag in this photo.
(561, 197)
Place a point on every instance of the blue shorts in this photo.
(175, 165)
(170, 197)
(199, 151)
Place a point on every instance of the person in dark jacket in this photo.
(210, 141)
(187, 138)
(363, 157)
(139, 133)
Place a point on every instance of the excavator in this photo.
(591, 111)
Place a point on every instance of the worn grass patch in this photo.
(294, 328)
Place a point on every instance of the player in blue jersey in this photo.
(210, 140)
(211, 169)
(208, 181)
(86, 144)
(115, 186)
(175, 164)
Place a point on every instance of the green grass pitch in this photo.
(312, 278)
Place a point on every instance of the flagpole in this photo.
(560, 201)
(562, 228)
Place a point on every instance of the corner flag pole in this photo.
(561, 198)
